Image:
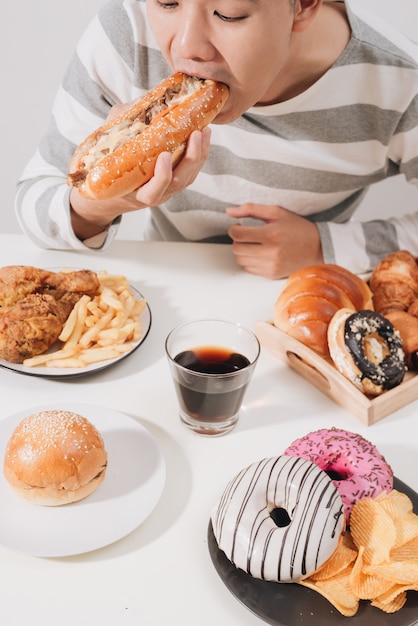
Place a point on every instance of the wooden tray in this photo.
(323, 375)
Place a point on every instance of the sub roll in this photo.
(120, 156)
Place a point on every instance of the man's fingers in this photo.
(167, 180)
(155, 189)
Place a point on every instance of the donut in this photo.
(354, 465)
(279, 519)
(366, 349)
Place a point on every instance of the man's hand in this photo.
(90, 217)
(168, 181)
(280, 246)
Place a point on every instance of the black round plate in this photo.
(290, 604)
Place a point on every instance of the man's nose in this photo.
(193, 40)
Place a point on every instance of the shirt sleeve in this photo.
(87, 92)
(359, 246)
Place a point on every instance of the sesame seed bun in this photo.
(55, 457)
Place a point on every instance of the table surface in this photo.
(161, 573)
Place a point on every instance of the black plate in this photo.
(288, 604)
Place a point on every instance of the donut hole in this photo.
(375, 348)
(336, 473)
(280, 517)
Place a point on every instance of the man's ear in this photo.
(304, 13)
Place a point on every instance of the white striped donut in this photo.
(279, 519)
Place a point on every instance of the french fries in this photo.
(99, 328)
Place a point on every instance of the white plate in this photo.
(56, 372)
(133, 485)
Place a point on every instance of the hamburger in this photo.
(55, 457)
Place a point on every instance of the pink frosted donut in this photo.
(279, 519)
(355, 465)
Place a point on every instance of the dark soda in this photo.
(216, 397)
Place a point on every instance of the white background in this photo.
(37, 38)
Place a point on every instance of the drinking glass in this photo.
(211, 362)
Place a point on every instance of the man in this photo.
(323, 103)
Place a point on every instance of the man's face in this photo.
(243, 43)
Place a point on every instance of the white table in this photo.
(162, 574)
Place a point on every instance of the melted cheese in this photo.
(112, 139)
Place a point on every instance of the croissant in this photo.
(413, 308)
(407, 326)
(311, 297)
(394, 282)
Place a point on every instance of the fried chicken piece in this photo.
(34, 306)
(79, 281)
(30, 326)
(17, 281)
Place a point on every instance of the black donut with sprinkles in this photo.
(366, 349)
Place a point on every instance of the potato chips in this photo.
(98, 328)
(376, 560)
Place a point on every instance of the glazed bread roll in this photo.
(55, 457)
(394, 282)
(311, 297)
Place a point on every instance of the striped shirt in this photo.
(315, 154)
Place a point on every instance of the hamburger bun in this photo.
(55, 457)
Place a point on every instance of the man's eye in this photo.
(168, 5)
(225, 18)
